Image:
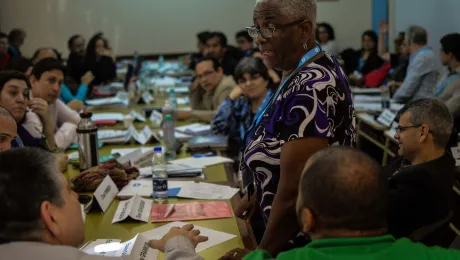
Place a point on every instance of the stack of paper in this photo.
(174, 170)
(112, 136)
(125, 151)
(181, 137)
(365, 90)
(165, 81)
(195, 129)
(367, 98)
(203, 161)
(363, 106)
(215, 237)
(120, 99)
(122, 136)
(206, 191)
(107, 116)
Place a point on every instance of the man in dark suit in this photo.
(420, 182)
(228, 56)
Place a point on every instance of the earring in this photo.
(305, 46)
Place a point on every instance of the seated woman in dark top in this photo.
(99, 61)
(365, 60)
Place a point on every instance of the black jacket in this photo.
(419, 195)
(104, 70)
(76, 66)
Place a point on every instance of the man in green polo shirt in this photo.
(342, 205)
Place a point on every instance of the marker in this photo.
(169, 211)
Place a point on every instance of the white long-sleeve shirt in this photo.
(65, 120)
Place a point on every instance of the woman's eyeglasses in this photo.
(267, 32)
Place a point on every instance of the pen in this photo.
(169, 211)
(201, 155)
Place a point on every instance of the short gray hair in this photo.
(5, 112)
(298, 9)
(433, 113)
(417, 34)
(28, 176)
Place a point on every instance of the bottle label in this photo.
(160, 185)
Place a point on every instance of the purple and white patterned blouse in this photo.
(317, 103)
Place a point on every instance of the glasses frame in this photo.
(268, 32)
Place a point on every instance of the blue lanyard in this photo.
(420, 51)
(310, 54)
(362, 62)
(444, 83)
(259, 110)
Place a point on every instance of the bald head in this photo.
(344, 189)
(8, 129)
(296, 9)
(44, 53)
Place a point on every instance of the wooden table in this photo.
(99, 226)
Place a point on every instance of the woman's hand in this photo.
(383, 27)
(246, 208)
(186, 231)
(236, 93)
(63, 162)
(87, 78)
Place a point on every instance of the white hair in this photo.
(297, 9)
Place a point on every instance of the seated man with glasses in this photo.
(421, 181)
(209, 90)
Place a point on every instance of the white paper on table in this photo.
(137, 248)
(107, 116)
(102, 247)
(386, 118)
(396, 106)
(215, 237)
(195, 129)
(165, 81)
(365, 90)
(130, 157)
(110, 134)
(206, 191)
(137, 116)
(144, 188)
(125, 151)
(367, 98)
(368, 106)
(202, 162)
(156, 117)
(179, 136)
(136, 207)
(117, 85)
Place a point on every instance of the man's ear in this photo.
(424, 133)
(307, 30)
(48, 218)
(308, 220)
(33, 80)
(220, 70)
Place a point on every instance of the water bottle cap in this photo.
(157, 149)
(171, 90)
(168, 117)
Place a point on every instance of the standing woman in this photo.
(326, 38)
(99, 61)
(311, 110)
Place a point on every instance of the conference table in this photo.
(99, 226)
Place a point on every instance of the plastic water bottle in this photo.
(161, 61)
(132, 92)
(385, 92)
(168, 110)
(169, 138)
(159, 176)
(88, 150)
(172, 98)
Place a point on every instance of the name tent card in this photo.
(386, 118)
(104, 194)
(156, 117)
(136, 208)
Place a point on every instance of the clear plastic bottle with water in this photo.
(172, 98)
(161, 61)
(159, 176)
(169, 138)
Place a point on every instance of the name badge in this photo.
(104, 194)
(137, 116)
(136, 208)
(386, 118)
(147, 97)
(156, 117)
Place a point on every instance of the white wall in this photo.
(157, 26)
(350, 18)
(438, 17)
